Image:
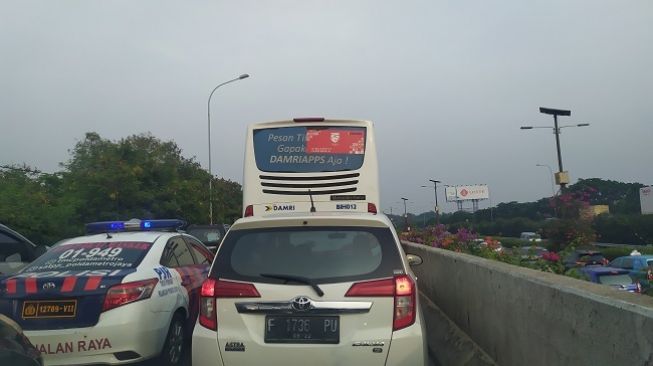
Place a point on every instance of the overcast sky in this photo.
(447, 83)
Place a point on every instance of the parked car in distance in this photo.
(639, 267)
(16, 251)
(209, 235)
(530, 236)
(615, 277)
(636, 264)
(530, 253)
(582, 258)
(15, 348)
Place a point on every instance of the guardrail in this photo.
(520, 316)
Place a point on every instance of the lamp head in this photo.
(557, 112)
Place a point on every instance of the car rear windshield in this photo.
(591, 258)
(610, 279)
(88, 256)
(321, 254)
(206, 235)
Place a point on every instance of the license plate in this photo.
(49, 309)
(302, 329)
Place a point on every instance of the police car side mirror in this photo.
(414, 260)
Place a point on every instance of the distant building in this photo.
(595, 210)
(646, 200)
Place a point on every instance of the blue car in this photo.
(639, 267)
(615, 277)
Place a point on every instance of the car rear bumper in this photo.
(409, 346)
(205, 349)
(122, 335)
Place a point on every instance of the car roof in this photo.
(587, 251)
(215, 226)
(644, 256)
(604, 270)
(313, 219)
(136, 236)
(8, 231)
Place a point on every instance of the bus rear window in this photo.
(305, 149)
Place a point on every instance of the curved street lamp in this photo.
(241, 77)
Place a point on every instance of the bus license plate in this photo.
(302, 329)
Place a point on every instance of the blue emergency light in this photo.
(134, 225)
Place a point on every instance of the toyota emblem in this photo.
(301, 303)
(49, 285)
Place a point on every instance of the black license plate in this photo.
(49, 309)
(302, 329)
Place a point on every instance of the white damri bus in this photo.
(310, 164)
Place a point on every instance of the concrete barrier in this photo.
(520, 316)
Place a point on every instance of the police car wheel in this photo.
(174, 344)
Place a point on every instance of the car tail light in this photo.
(372, 288)
(249, 211)
(212, 289)
(371, 208)
(405, 303)
(401, 287)
(208, 312)
(127, 293)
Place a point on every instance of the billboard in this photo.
(646, 200)
(467, 192)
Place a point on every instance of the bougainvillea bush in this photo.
(467, 241)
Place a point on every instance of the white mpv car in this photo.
(310, 289)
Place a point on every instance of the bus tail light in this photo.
(401, 287)
(371, 208)
(249, 211)
(213, 289)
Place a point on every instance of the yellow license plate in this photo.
(49, 309)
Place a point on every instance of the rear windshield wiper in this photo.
(299, 279)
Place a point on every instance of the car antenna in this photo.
(312, 204)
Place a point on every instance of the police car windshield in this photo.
(88, 256)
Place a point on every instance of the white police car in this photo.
(124, 294)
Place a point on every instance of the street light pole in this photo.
(437, 208)
(241, 77)
(405, 214)
(435, 192)
(562, 178)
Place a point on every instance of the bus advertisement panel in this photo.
(289, 163)
(309, 149)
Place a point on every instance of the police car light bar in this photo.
(134, 225)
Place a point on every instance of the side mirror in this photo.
(414, 260)
(40, 250)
